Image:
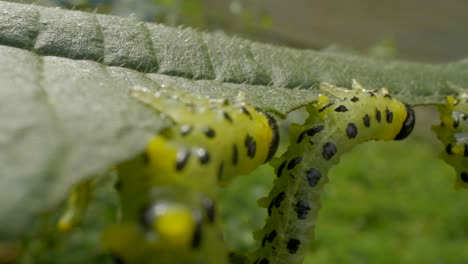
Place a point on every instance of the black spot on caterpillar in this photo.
(293, 245)
(453, 133)
(251, 146)
(329, 150)
(309, 132)
(293, 202)
(203, 156)
(313, 176)
(366, 120)
(341, 108)
(464, 176)
(269, 238)
(209, 206)
(351, 130)
(448, 149)
(388, 115)
(378, 115)
(209, 132)
(181, 159)
(281, 168)
(292, 163)
(279, 198)
(302, 208)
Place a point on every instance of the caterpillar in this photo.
(167, 193)
(338, 120)
(453, 133)
(212, 137)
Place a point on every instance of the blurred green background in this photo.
(385, 203)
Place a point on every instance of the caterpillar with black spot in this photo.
(167, 193)
(339, 120)
(453, 133)
(209, 137)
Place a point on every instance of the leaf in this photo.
(62, 120)
(188, 53)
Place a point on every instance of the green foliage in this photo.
(177, 12)
(61, 124)
(400, 210)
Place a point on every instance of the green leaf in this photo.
(188, 53)
(62, 120)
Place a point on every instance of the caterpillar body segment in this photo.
(339, 120)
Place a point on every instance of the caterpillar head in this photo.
(173, 224)
(357, 89)
(408, 124)
(174, 221)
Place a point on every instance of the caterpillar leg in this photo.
(453, 133)
(334, 126)
(77, 204)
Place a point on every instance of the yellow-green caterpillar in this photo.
(339, 120)
(210, 137)
(453, 133)
(167, 193)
